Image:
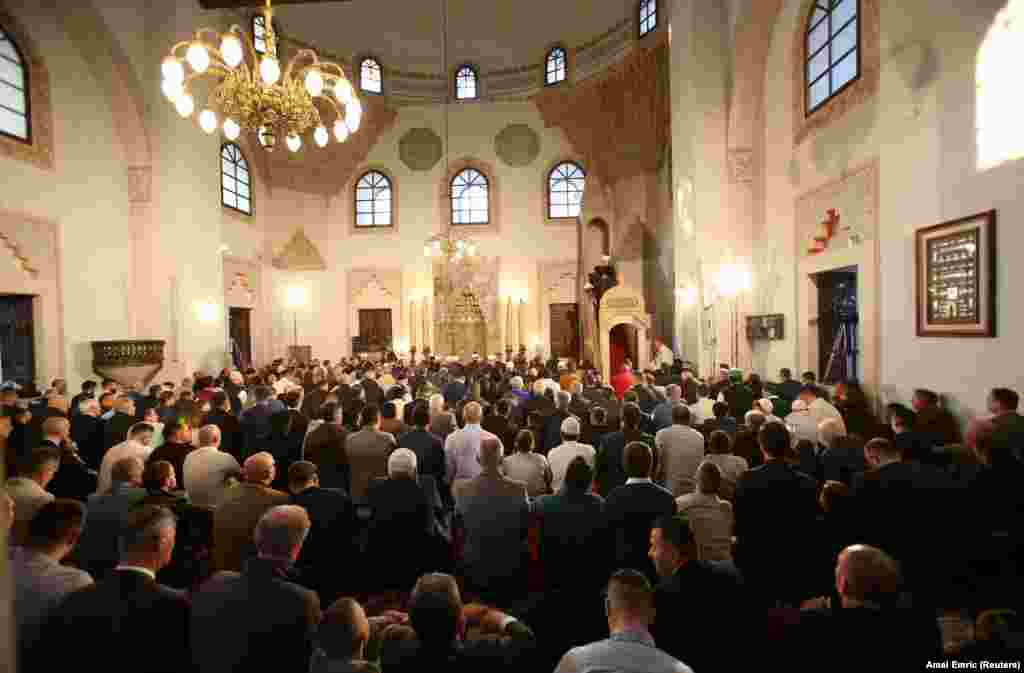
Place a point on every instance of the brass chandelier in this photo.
(250, 90)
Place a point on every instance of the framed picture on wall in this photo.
(956, 278)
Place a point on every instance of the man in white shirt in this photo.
(704, 407)
(680, 452)
(801, 424)
(462, 448)
(663, 355)
(206, 469)
(562, 455)
(819, 407)
(138, 445)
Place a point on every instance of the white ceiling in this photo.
(407, 34)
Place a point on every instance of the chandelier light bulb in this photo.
(231, 129)
(314, 82)
(185, 105)
(208, 121)
(321, 136)
(353, 114)
(343, 91)
(231, 50)
(341, 131)
(267, 139)
(172, 70)
(198, 57)
(172, 89)
(427, 252)
(471, 249)
(294, 142)
(270, 70)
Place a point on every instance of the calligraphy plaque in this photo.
(956, 278)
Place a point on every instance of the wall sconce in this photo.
(207, 311)
(296, 297)
(732, 279)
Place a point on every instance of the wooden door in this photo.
(375, 329)
(240, 329)
(17, 339)
(565, 330)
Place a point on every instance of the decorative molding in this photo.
(855, 195)
(420, 149)
(300, 254)
(741, 165)
(20, 259)
(387, 281)
(860, 90)
(493, 201)
(140, 184)
(517, 145)
(40, 148)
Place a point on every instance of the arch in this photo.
(373, 199)
(556, 66)
(470, 195)
(236, 179)
(15, 103)
(566, 182)
(599, 227)
(1000, 137)
(26, 127)
(467, 82)
(371, 75)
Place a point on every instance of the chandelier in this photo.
(449, 247)
(250, 90)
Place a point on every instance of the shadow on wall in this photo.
(80, 357)
(964, 414)
(834, 148)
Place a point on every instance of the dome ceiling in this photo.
(496, 35)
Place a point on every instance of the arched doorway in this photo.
(623, 343)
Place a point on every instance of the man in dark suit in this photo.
(609, 470)
(455, 391)
(933, 421)
(116, 428)
(299, 421)
(694, 635)
(243, 505)
(176, 447)
(631, 510)
(332, 530)
(553, 423)
(88, 393)
(1009, 425)
(256, 420)
(367, 452)
(128, 605)
(775, 509)
(232, 439)
(404, 515)
(374, 394)
(258, 619)
(87, 432)
(495, 517)
(498, 424)
(74, 479)
(325, 448)
(429, 450)
(106, 515)
(438, 616)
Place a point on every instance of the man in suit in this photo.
(116, 429)
(456, 390)
(325, 448)
(696, 636)
(106, 516)
(632, 509)
(88, 393)
(429, 450)
(87, 431)
(299, 421)
(129, 604)
(495, 518)
(373, 393)
(367, 452)
(775, 509)
(405, 509)
(332, 530)
(258, 619)
(662, 414)
(28, 489)
(255, 421)
(438, 616)
(1009, 425)
(933, 421)
(206, 470)
(236, 517)
(498, 423)
(553, 423)
(232, 439)
(74, 479)
(176, 447)
(608, 469)
(680, 452)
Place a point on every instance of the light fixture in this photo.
(262, 94)
(206, 311)
(296, 296)
(732, 279)
(687, 296)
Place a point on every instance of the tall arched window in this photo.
(373, 200)
(235, 181)
(566, 182)
(648, 16)
(555, 71)
(470, 194)
(832, 50)
(466, 83)
(370, 76)
(14, 98)
(259, 35)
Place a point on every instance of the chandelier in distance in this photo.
(250, 90)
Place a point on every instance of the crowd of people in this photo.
(521, 515)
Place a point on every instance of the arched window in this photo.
(373, 200)
(1000, 133)
(470, 198)
(555, 71)
(370, 76)
(259, 35)
(832, 50)
(466, 83)
(648, 16)
(565, 191)
(235, 181)
(14, 98)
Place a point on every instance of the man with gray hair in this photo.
(128, 604)
(553, 423)
(462, 447)
(87, 431)
(495, 514)
(680, 451)
(238, 514)
(234, 614)
(106, 516)
(205, 472)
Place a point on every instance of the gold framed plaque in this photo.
(956, 278)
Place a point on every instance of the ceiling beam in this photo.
(234, 4)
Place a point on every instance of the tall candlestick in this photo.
(426, 325)
(522, 310)
(508, 321)
(412, 324)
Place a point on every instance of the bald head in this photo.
(490, 453)
(209, 435)
(124, 405)
(866, 574)
(259, 468)
(473, 413)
